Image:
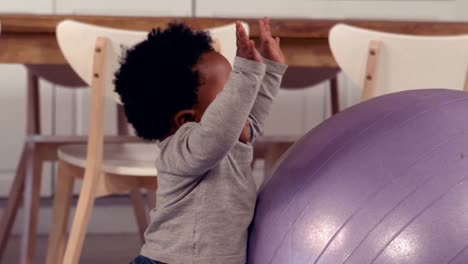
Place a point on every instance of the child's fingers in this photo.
(242, 34)
(251, 46)
(237, 34)
(261, 26)
(242, 39)
(266, 21)
(277, 39)
(241, 31)
(254, 52)
(239, 43)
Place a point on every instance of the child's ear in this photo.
(184, 116)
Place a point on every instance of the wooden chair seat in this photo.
(130, 159)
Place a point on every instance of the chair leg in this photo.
(60, 214)
(334, 96)
(151, 196)
(80, 221)
(140, 212)
(14, 200)
(31, 204)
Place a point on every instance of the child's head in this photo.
(169, 79)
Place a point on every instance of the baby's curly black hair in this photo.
(156, 78)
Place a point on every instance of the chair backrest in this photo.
(77, 42)
(382, 63)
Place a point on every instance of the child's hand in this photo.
(269, 46)
(246, 47)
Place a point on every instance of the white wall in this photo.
(126, 7)
(65, 111)
(27, 6)
(388, 9)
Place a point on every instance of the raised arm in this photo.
(198, 147)
(275, 68)
(268, 90)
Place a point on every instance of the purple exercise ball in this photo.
(384, 181)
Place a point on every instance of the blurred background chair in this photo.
(380, 63)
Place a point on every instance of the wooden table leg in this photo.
(151, 197)
(14, 200)
(335, 101)
(31, 204)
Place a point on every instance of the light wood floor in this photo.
(98, 249)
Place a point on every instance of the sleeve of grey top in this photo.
(198, 147)
(268, 90)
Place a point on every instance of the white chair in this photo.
(381, 63)
(94, 52)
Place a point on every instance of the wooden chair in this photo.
(38, 149)
(381, 63)
(105, 168)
